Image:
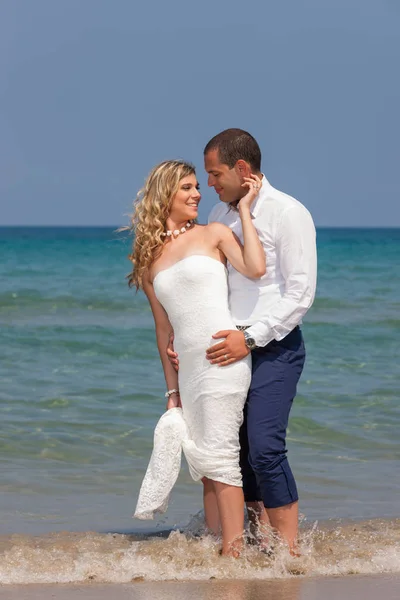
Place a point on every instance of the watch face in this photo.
(250, 343)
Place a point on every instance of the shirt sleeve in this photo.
(297, 261)
(213, 216)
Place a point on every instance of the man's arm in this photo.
(214, 214)
(297, 259)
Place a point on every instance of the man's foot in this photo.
(262, 543)
(230, 553)
(234, 550)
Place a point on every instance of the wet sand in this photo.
(374, 587)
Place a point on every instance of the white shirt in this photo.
(276, 303)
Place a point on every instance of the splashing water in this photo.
(368, 547)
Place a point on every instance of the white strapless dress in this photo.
(194, 293)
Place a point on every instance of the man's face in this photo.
(226, 182)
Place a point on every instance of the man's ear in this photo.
(242, 168)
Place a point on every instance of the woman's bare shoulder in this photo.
(218, 228)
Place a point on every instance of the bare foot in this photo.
(234, 550)
(262, 543)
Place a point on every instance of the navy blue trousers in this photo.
(265, 468)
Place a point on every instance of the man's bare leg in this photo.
(211, 512)
(285, 520)
(259, 523)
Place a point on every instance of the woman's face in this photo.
(185, 204)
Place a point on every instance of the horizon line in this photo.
(116, 227)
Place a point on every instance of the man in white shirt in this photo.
(268, 311)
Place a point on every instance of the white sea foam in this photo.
(370, 547)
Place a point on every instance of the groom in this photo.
(267, 313)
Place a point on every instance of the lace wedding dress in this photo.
(194, 293)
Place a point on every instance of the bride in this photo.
(180, 266)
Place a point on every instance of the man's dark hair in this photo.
(234, 145)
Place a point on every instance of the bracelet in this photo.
(170, 392)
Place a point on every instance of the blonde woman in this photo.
(180, 266)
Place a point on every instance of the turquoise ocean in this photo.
(81, 389)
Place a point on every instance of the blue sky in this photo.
(93, 93)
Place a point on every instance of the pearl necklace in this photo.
(176, 232)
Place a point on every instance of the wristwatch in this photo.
(249, 341)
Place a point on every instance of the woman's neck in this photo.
(173, 224)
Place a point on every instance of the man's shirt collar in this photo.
(258, 200)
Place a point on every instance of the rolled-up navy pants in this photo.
(276, 370)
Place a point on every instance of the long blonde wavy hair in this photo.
(151, 209)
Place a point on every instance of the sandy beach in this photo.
(331, 588)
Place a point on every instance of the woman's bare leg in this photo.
(211, 512)
(231, 512)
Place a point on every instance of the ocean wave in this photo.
(310, 433)
(33, 300)
(370, 547)
(392, 323)
(321, 302)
